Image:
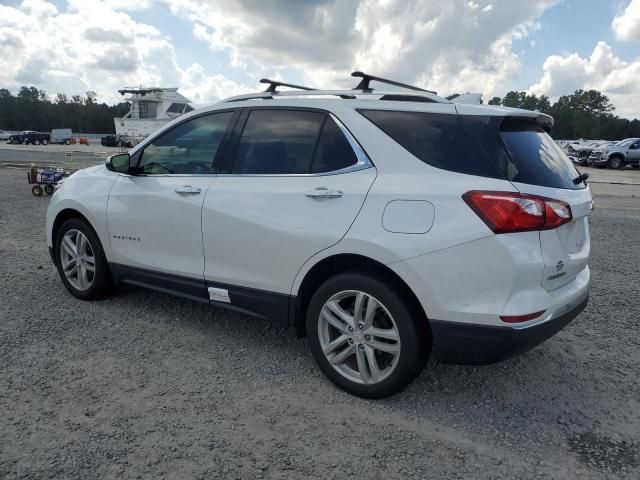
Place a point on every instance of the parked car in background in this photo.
(582, 154)
(4, 135)
(381, 225)
(115, 141)
(625, 152)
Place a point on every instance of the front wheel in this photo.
(365, 336)
(616, 163)
(81, 261)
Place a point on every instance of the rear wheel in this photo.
(37, 190)
(67, 142)
(45, 141)
(81, 261)
(36, 142)
(365, 336)
(48, 189)
(616, 162)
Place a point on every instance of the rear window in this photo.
(439, 140)
(488, 146)
(535, 157)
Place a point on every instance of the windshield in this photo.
(622, 143)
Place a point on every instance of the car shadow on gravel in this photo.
(544, 384)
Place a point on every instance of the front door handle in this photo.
(322, 192)
(188, 190)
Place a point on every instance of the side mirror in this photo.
(119, 163)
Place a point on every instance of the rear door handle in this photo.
(188, 190)
(322, 192)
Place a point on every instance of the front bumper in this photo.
(472, 344)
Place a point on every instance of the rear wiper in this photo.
(580, 178)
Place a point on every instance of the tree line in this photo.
(582, 114)
(32, 109)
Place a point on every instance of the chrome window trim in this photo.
(363, 162)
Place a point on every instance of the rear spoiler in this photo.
(469, 99)
(542, 119)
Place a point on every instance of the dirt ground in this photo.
(144, 385)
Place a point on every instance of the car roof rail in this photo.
(273, 84)
(366, 79)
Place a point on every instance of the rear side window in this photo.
(439, 140)
(535, 157)
(334, 151)
(278, 142)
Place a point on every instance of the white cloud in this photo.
(93, 45)
(602, 71)
(626, 26)
(449, 45)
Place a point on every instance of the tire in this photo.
(48, 189)
(616, 163)
(37, 191)
(36, 142)
(393, 315)
(98, 283)
(67, 142)
(45, 142)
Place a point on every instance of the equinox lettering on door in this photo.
(127, 237)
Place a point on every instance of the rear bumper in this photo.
(472, 344)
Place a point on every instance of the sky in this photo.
(213, 49)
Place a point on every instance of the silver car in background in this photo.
(625, 152)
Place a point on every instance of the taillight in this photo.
(508, 212)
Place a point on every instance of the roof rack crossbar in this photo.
(273, 84)
(366, 78)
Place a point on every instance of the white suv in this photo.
(386, 227)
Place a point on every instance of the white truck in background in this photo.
(61, 136)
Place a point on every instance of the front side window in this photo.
(188, 148)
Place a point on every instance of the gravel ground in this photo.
(144, 385)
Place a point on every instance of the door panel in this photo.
(154, 227)
(259, 230)
(155, 219)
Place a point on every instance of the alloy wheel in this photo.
(359, 337)
(77, 260)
